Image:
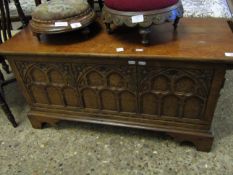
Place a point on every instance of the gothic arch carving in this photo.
(174, 87)
(127, 102)
(37, 75)
(160, 83)
(149, 103)
(39, 94)
(90, 98)
(108, 100)
(116, 80)
(94, 78)
(105, 83)
(170, 106)
(55, 77)
(71, 98)
(185, 85)
(55, 95)
(193, 107)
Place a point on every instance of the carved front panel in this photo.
(47, 83)
(119, 88)
(109, 88)
(173, 92)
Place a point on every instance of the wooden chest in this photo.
(171, 86)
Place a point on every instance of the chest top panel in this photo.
(196, 39)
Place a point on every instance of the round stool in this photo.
(140, 13)
(59, 16)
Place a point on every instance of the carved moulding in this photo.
(153, 17)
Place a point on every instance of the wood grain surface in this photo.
(195, 40)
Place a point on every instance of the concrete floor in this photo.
(81, 149)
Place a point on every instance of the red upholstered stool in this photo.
(142, 13)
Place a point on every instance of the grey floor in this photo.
(79, 148)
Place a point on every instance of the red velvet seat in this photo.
(139, 5)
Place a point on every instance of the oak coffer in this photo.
(171, 85)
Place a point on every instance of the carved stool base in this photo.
(154, 17)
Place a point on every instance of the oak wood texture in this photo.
(192, 35)
(172, 85)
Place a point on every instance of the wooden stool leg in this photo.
(7, 111)
(230, 23)
(108, 28)
(175, 24)
(86, 31)
(37, 35)
(145, 34)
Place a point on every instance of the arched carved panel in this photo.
(185, 85)
(116, 80)
(127, 102)
(108, 100)
(71, 97)
(37, 75)
(95, 79)
(104, 84)
(119, 77)
(160, 83)
(173, 87)
(90, 99)
(193, 107)
(170, 106)
(55, 96)
(149, 104)
(39, 94)
(55, 77)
